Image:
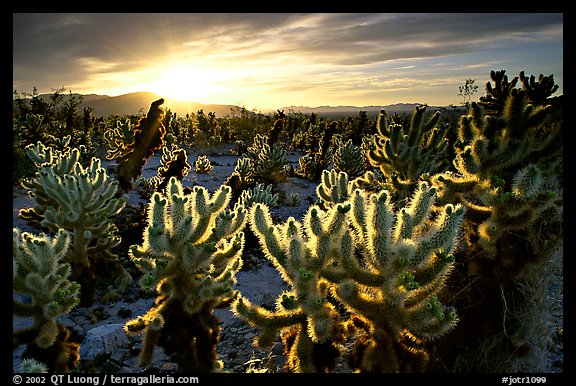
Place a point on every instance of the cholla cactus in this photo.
(240, 148)
(308, 323)
(82, 201)
(393, 290)
(245, 171)
(39, 271)
(64, 163)
(190, 254)
(148, 137)
(506, 171)
(119, 139)
(30, 365)
(203, 164)
(268, 160)
(173, 163)
(406, 257)
(315, 161)
(404, 155)
(59, 144)
(509, 176)
(348, 158)
(258, 194)
(334, 188)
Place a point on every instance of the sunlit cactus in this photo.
(386, 268)
(119, 138)
(508, 174)
(261, 193)
(40, 271)
(148, 138)
(405, 154)
(406, 257)
(190, 254)
(306, 321)
(348, 158)
(203, 165)
(81, 200)
(505, 172)
(334, 188)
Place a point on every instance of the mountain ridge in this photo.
(139, 102)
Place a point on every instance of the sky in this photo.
(274, 60)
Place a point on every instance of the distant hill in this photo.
(135, 103)
(338, 112)
(139, 102)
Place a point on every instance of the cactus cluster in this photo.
(318, 159)
(81, 200)
(404, 154)
(387, 268)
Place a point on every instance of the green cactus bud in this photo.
(147, 282)
(156, 323)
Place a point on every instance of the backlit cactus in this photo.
(505, 173)
(148, 138)
(190, 254)
(203, 165)
(334, 188)
(40, 271)
(406, 257)
(348, 158)
(308, 324)
(387, 269)
(259, 194)
(64, 163)
(508, 174)
(81, 200)
(405, 154)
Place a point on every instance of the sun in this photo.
(186, 84)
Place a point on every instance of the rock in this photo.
(103, 340)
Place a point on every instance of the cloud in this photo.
(292, 48)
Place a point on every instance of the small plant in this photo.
(203, 165)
